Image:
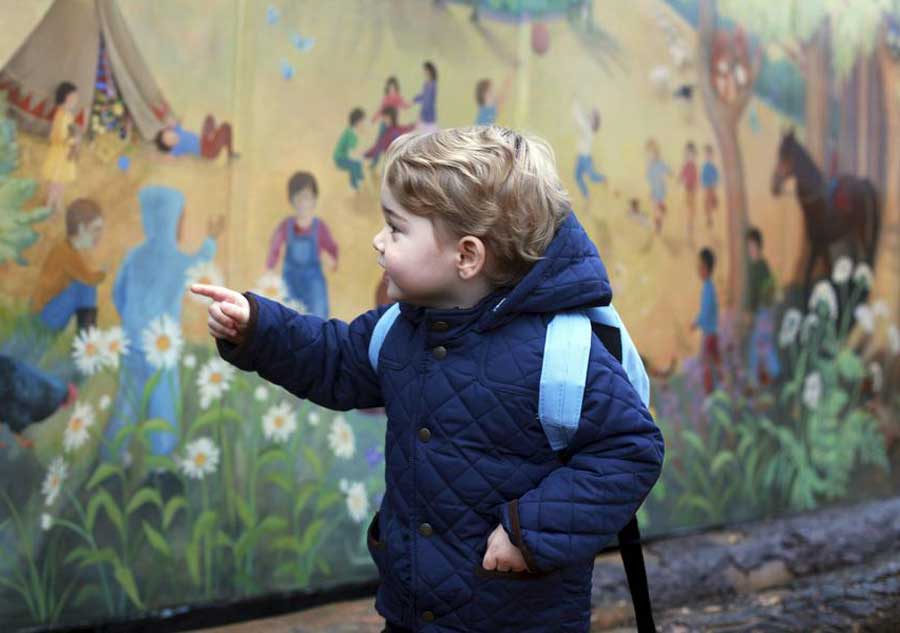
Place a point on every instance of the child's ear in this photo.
(470, 257)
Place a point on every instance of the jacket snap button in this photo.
(439, 326)
(428, 616)
(424, 434)
(439, 352)
(425, 529)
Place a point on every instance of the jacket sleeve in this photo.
(325, 361)
(614, 460)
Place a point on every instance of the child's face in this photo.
(304, 202)
(689, 153)
(702, 269)
(88, 234)
(753, 249)
(71, 101)
(420, 266)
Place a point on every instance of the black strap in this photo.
(633, 560)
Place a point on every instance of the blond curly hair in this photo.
(490, 182)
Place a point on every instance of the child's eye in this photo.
(392, 228)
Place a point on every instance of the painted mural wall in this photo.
(736, 162)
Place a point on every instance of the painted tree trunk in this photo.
(887, 279)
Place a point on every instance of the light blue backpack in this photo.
(567, 347)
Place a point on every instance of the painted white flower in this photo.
(46, 521)
(894, 340)
(105, 401)
(296, 306)
(271, 286)
(53, 480)
(880, 308)
(162, 342)
(201, 457)
(823, 292)
(790, 326)
(863, 275)
(865, 317)
(843, 269)
(279, 422)
(877, 376)
(87, 351)
(261, 393)
(341, 438)
(810, 323)
(313, 418)
(357, 501)
(812, 390)
(203, 273)
(213, 380)
(190, 361)
(76, 433)
(114, 344)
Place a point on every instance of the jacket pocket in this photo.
(373, 535)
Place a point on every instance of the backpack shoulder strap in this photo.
(629, 356)
(382, 327)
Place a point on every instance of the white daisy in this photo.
(313, 418)
(894, 339)
(341, 438)
(203, 273)
(114, 343)
(56, 474)
(357, 501)
(190, 361)
(823, 292)
(877, 376)
(810, 323)
(87, 351)
(271, 286)
(843, 269)
(865, 317)
(46, 521)
(260, 393)
(105, 401)
(162, 342)
(863, 275)
(279, 422)
(812, 390)
(213, 380)
(201, 457)
(76, 433)
(790, 325)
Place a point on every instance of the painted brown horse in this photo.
(846, 211)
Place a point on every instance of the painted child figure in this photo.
(483, 526)
(689, 178)
(707, 321)
(345, 158)
(67, 284)
(763, 364)
(657, 172)
(709, 178)
(306, 241)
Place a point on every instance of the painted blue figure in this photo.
(758, 304)
(150, 283)
(588, 125)
(306, 240)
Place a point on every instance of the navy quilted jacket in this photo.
(465, 451)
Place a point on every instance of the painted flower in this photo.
(894, 340)
(162, 342)
(105, 401)
(341, 438)
(313, 418)
(114, 344)
(213, 380)
(271, 286)
(812, 390)
(203, 273)
(279, 422)
(877, 375)
(357, 501)
(865, 317)
(260, 393)
(46, 521)
(843, 269)
(823, 293)
(53, 480)
(790, 326)
(87, 351)
(863, 275)
(76, 433)
(200, 459)
(810, 323)
(190, 361)
(374, 455)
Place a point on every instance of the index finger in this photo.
(216, 293)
